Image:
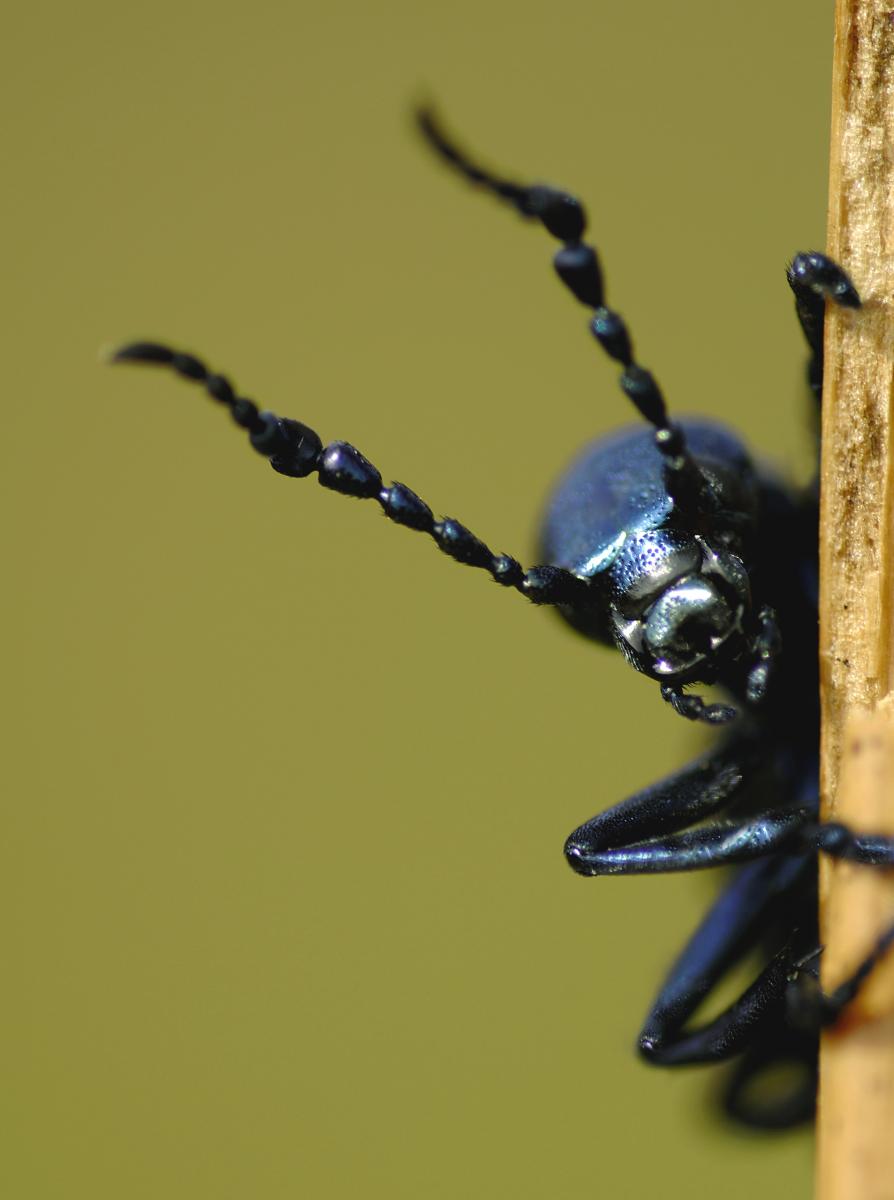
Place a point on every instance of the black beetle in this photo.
(669, 543)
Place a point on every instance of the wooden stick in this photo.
(856, 1111)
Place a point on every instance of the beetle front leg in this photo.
(688, 795)
(717, 845)
(783, 831)
(816, 278)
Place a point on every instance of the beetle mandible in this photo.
(667, 541)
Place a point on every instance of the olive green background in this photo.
(286, 912)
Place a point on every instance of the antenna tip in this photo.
(140, 352)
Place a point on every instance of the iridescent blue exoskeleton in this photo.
(667, 541)
(668, 582)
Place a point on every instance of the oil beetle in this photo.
(668, 542)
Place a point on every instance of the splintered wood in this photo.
(856, 1112)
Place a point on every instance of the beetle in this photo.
(668, 542)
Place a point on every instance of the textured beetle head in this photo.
(677, 604)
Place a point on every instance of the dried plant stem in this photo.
(856, 1114)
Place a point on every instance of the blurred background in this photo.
(286, 907)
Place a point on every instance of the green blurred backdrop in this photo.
(287, 911)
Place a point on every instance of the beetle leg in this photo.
(815, 278)
(786, 830)
(733, 925)
(775, 1019)
(694, 708)
(809, 1007)
(716, 845)
(873, 850)
(688, 795)
(732, 1030)
(296, 450)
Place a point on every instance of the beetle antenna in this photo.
(577, 265)
(296, 450)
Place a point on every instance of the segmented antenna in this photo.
(577, 265)
(296, 450)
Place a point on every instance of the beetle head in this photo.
(677, 604)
